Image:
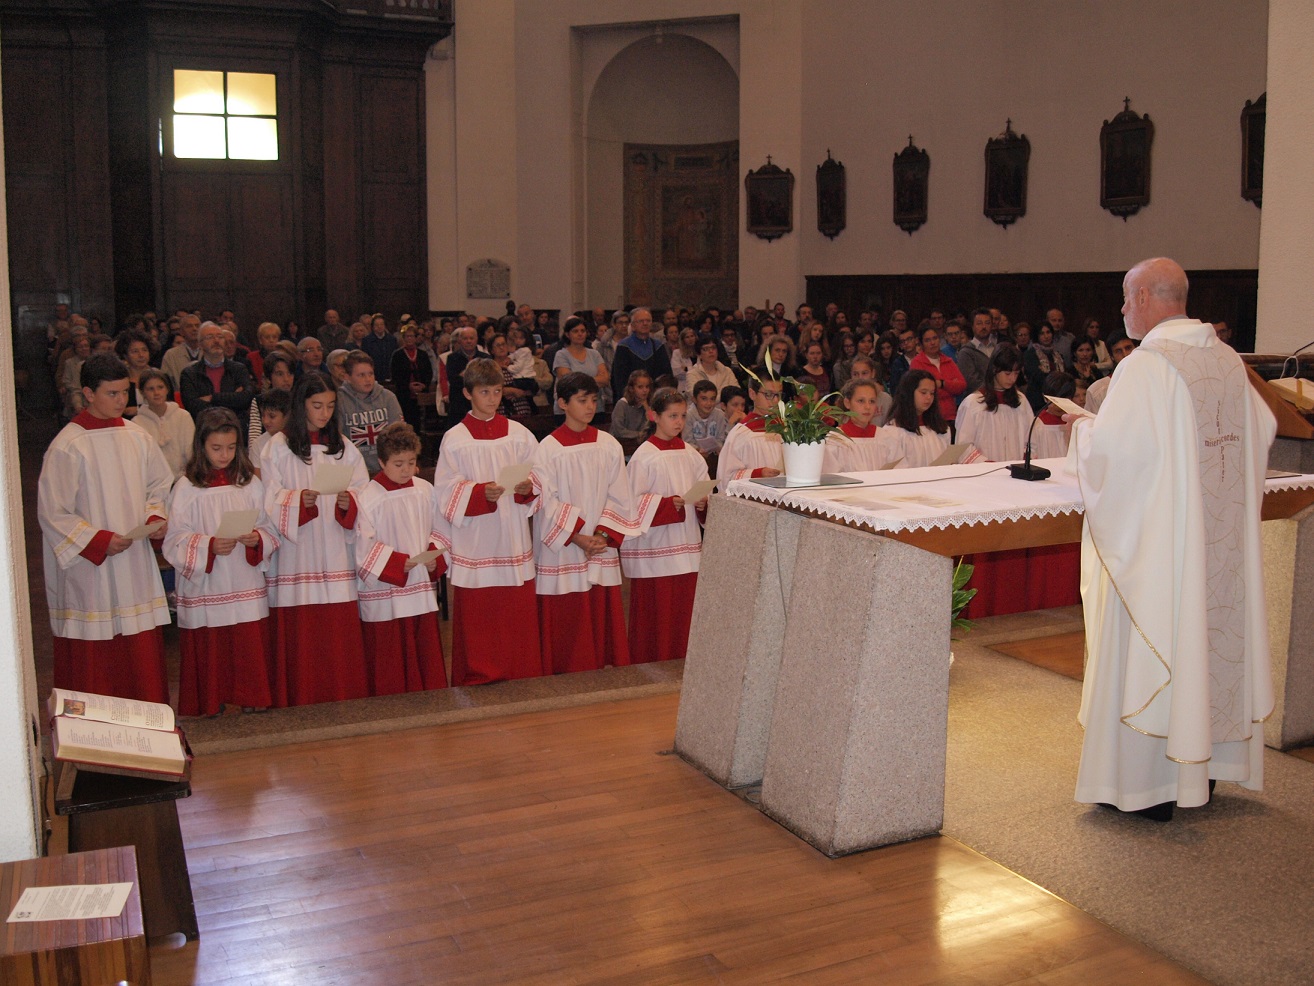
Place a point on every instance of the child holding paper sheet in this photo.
(662, 562)
(223, 607)
(486, 526)
(398, 607)
(586, 512)
(316, 635)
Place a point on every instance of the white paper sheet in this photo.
(71, 903)
(1069, 407)
(513, 475)
(950, 456)
(424, 557)
(699, 490)
(144, 531)
(235, 523)
(331, 478)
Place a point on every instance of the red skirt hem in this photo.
(494, 634)
(318, 655)
(404, 654)
(223, 665)
(131, 666)
(661, 610)
(583, 631)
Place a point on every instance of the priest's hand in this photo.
(251, 540)
(493, 492)
(117, 544)
(309, 498)
(222, 546)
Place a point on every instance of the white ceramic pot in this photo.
(803, 463)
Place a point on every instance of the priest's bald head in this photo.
(1152, 291)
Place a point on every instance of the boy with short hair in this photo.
(705, 428)
(398, 608)
(749, 452)
(102, 478)
(734, 402)
(495, 619)
(274, 408)
(585, 513)
(365, 407)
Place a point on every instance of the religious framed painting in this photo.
(1007, 158)
(912, 176)
(770, 191)
(1253, 118)
(832, 197)
(1125, 143)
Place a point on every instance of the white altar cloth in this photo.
(941, 497)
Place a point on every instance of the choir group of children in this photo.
(289, 594)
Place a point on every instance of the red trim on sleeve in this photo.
(254, 556)
(439, 568)
(579, 526)
(394, 572)
(306, 513)
(209, 562)
(526, 497)
(614, 538)
(757, 473)
(667, 512)
(346, 518)
(702, 515)
(478, 505)
(97, 549)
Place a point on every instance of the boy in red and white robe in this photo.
(486, 527)
(398, 605)
(102, 478)
(584, 515)
(749, 452)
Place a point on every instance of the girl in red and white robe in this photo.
(223, 607)
(486, 528)
(317, 648)
(584, 514)
(917, 433)
(858, 446)
(662, 562)
(749, 452)
(398, 606)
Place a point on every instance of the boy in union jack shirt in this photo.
(365, 408)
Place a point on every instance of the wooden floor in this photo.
(569, 847)
(1064, 653)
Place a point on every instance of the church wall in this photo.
(880, 71)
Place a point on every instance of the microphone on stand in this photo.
(1024, 469)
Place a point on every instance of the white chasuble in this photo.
(1177, 672)
(492, 548)
(394, 520)
(314, 564)
(113, 478)
(657, 471)
(581, 482)
(233, 590)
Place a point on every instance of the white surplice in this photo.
(315, 562)
(579, 478)
(668, 549)
(912, 450)
(233, 591)
(489, 549)
(1001, 435)
(850, 450)
(1177, 674)
(101, 479)
(392, 521)
(747, 448)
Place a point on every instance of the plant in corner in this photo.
(803, 424)
(960, 597)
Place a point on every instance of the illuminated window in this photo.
(221, 115)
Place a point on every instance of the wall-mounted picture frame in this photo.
(1007, 158)
(770, 191)
(1253, 118)
(832, 197)
(912, 180)
(1125, 144)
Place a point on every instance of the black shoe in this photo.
(1155, 813)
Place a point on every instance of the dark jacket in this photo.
(236, 389)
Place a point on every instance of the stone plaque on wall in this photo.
(488, 279)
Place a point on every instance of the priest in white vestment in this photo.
(1172, 471)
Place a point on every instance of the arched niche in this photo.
(664, 88)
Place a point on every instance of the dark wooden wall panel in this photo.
(343, 278)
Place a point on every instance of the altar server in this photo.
(917, 433)
(749, 451)
(662, 562)
(223, 607)
(398, 605)
(857, 446)
(996, 419)
(102, 478)
(586, 512)
(312, 580)
(1172, 473)
(486, 526)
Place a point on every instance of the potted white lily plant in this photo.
(803, 425)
